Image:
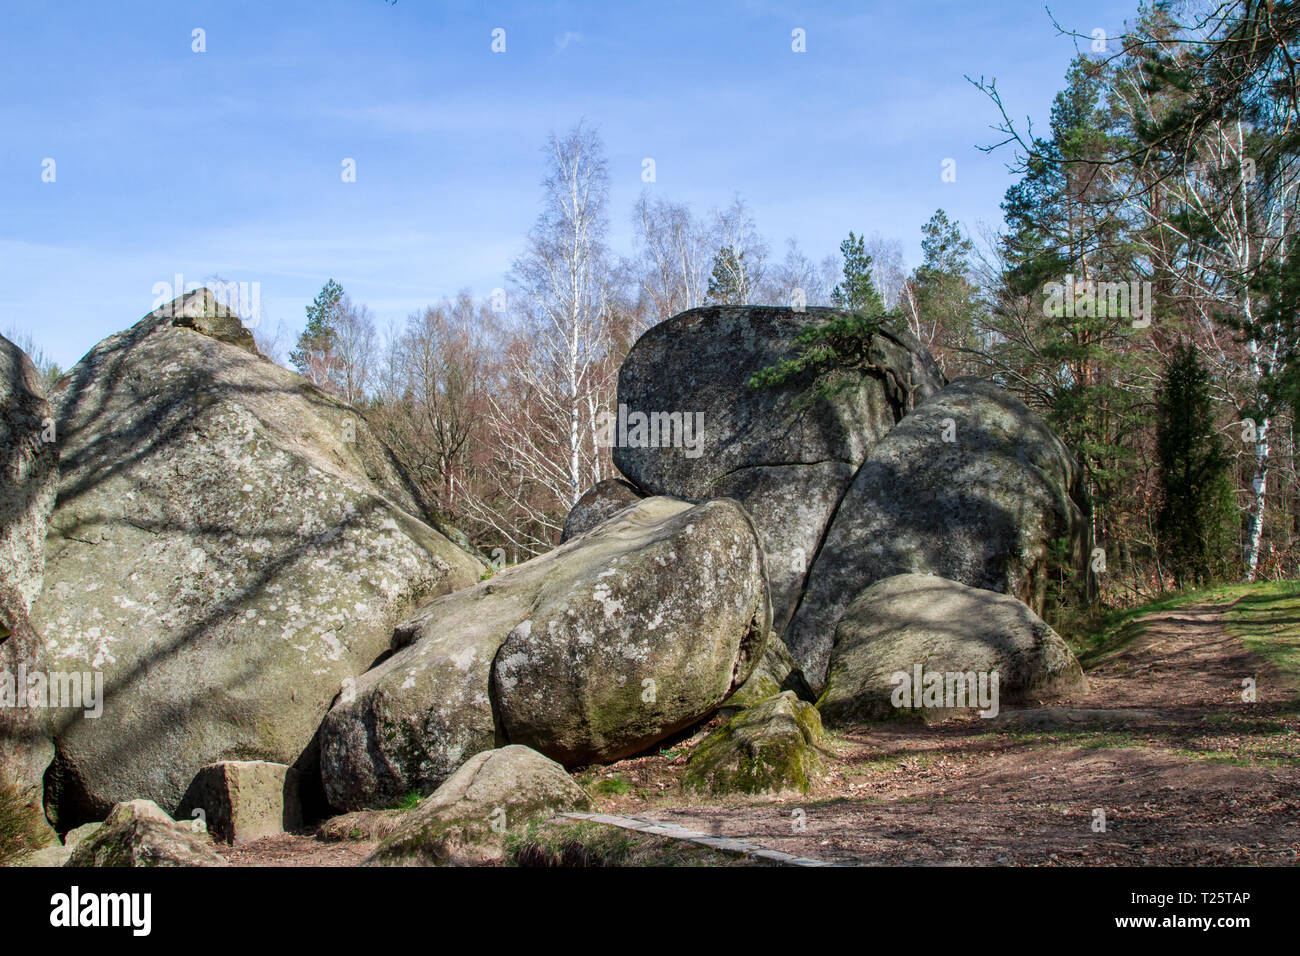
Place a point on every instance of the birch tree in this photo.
(560, 367)
(672, 257)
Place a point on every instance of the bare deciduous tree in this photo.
(560, 364)
(888, 272)
(673, 257)
(796, 279)
(355, 344)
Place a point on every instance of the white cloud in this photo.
(567, 39)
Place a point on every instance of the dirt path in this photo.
(1184, 659)
(1184, 770)
(1162, 743)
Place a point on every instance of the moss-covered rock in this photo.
(467, 819)
(776, 672)
(773, 747)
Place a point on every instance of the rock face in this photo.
(26, 731)
(588, 653)
(28, 482)
(139, 833)
(29, 467)
(972, 486)
(230, 546)
(245, 800)
(603, 500)
(492, 794)
(942, 627)
(788, 461)
(773, 747)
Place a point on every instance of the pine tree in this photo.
(1061, 221)
(313, 355)
(940, 294)
(1196, 505)
(857, 292)
(838, 353)
(729, 282)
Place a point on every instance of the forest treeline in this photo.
(1141, 292)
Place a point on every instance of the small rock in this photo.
(73, 837)
(603, 500)
(139, 833)
(55, 855)
(773, 747)
(466, 819)
(245, 800)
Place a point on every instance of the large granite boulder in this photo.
(140, 833)
(28, 483)
(592, 652)
(929, 629)
(466, 820)
(601, 501)
(786, 458)
(231, 544)
(972, 486)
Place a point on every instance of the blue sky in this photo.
(228, 162)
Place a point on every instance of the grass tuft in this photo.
(20, 830)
